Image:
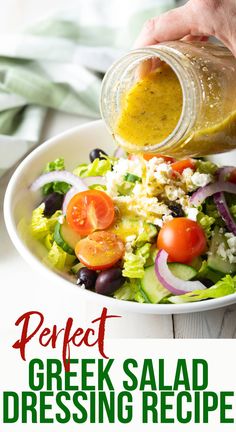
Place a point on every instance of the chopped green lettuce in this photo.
(211, 210)
(148, 233)
(59, 187)
(98, 167)
(224, 287)
(59, 259)
(233, 210)
(206, 223)
(134, 262)
(144, 251)
(40, 225)
(130, 291)
(206, 167)
(133, 265)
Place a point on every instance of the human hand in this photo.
(196, 20)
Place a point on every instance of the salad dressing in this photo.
(151, 111)
(148, 114)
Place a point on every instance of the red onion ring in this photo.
(169, 281)
(202, 193)
(223, 209)
(73, 191)
(61, 176)
(69, 195)
(220, 201)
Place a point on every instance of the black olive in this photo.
(108, 281)
(87, 278)
(176, 209)
(97, 154)
(207, 282)
(53, 202)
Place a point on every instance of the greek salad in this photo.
(144, 228)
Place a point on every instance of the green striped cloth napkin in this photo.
(58, 63)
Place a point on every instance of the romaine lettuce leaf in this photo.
(98, 167)
(224, 287)
(134, 262)
(147, 235)
(59, 259)
(206, 167)
(59, 187)
(40, 225)
(206, 223)
(130, 291)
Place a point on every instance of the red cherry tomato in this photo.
(148, 156)
(181, 165)
(100, 250)
(183, 239)
(89, 211)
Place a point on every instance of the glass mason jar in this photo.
(207, 74)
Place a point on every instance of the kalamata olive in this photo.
(176, 209)
(53, 202)
(96, 154)
(87, 278)
(108, 281)
(207, 282)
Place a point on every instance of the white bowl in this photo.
(74, 145)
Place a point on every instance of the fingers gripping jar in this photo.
(206, 124)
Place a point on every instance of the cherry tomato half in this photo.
(183, 239)
(89, 211)
(100, 250)
(181, 165)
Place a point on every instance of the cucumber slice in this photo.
(182, 271)
(215, 262)
(152, 288)
(65, 237)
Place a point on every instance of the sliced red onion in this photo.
(220, 201)
(69, 195)
(224, 171)
(119, 153)
(202, 193)
(61, 176)
(223, 209)
(169, 281)
(74, 190)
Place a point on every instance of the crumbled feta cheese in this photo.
(200, 179)
(173, 193)
(232, 244)
(228, 253)
(221, 251)
(130, 238)
(163, 173)
(231, 257)
(192, 213)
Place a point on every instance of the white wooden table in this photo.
(23, 290)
